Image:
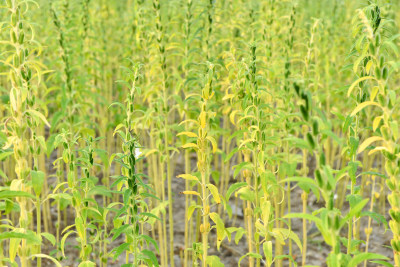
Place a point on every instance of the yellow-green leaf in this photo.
(369, 65)
(46, 257)
(119, 126)
(374, 92)
(219, 224)
(213, 143)
(191, 209)
(189, 134)
(369, 141)
(394, 127)
(293, 236)
(151, 151)
(188, 177)
(13, 100)
(267, 248)
(363, 105)
(190, 145)
(357, 82)
(232, 116)
(376, 149)
(191, 193)
(202, 119)
(376, 122)
(39, 115)
(214, 193)
(189, 120)
(228, 96)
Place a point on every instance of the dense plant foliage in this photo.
(199, 133)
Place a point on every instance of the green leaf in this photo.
(354, 211)
(377, 217)
(384, 263)
(239, 234)
(290, 234)
(363, 257)
(49, 237)
(191, 210)
(150, 240)
(87, 264)
(214, 261)
(12, 194)
(250, 254)
(299, 179)
(241, 166)
(4, 155)
(267, 248)
(233, 188)
(120, 249)
(118, 231)
(304, 216)
(151, 256)
(150, 215)
(79, 227)
(99, 190)
(30, 236)
(37, 181)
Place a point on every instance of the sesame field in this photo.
(199, 133)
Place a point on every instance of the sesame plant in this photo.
(134, 211)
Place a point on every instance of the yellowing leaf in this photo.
(219, 224)
(190, 145)
(188, 120)
(38, 115)
(228, 96)
(213, 143)
(369, 65)
(369, 141)
(13, 100)
(376, 149)
(202, 119)
(232, 116)
(245, 142)
(374, 92)
(357, 63)
(394, 127)
(363, 105)
(214, 193)
(46, 257)
(290, 234)
(267, 248)
(119, 126)
(190, 95)
(188, 177)
(151, 151)
(357, 82)
(376, 122)
(189, 134)
(191, 193)
(191, 210)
